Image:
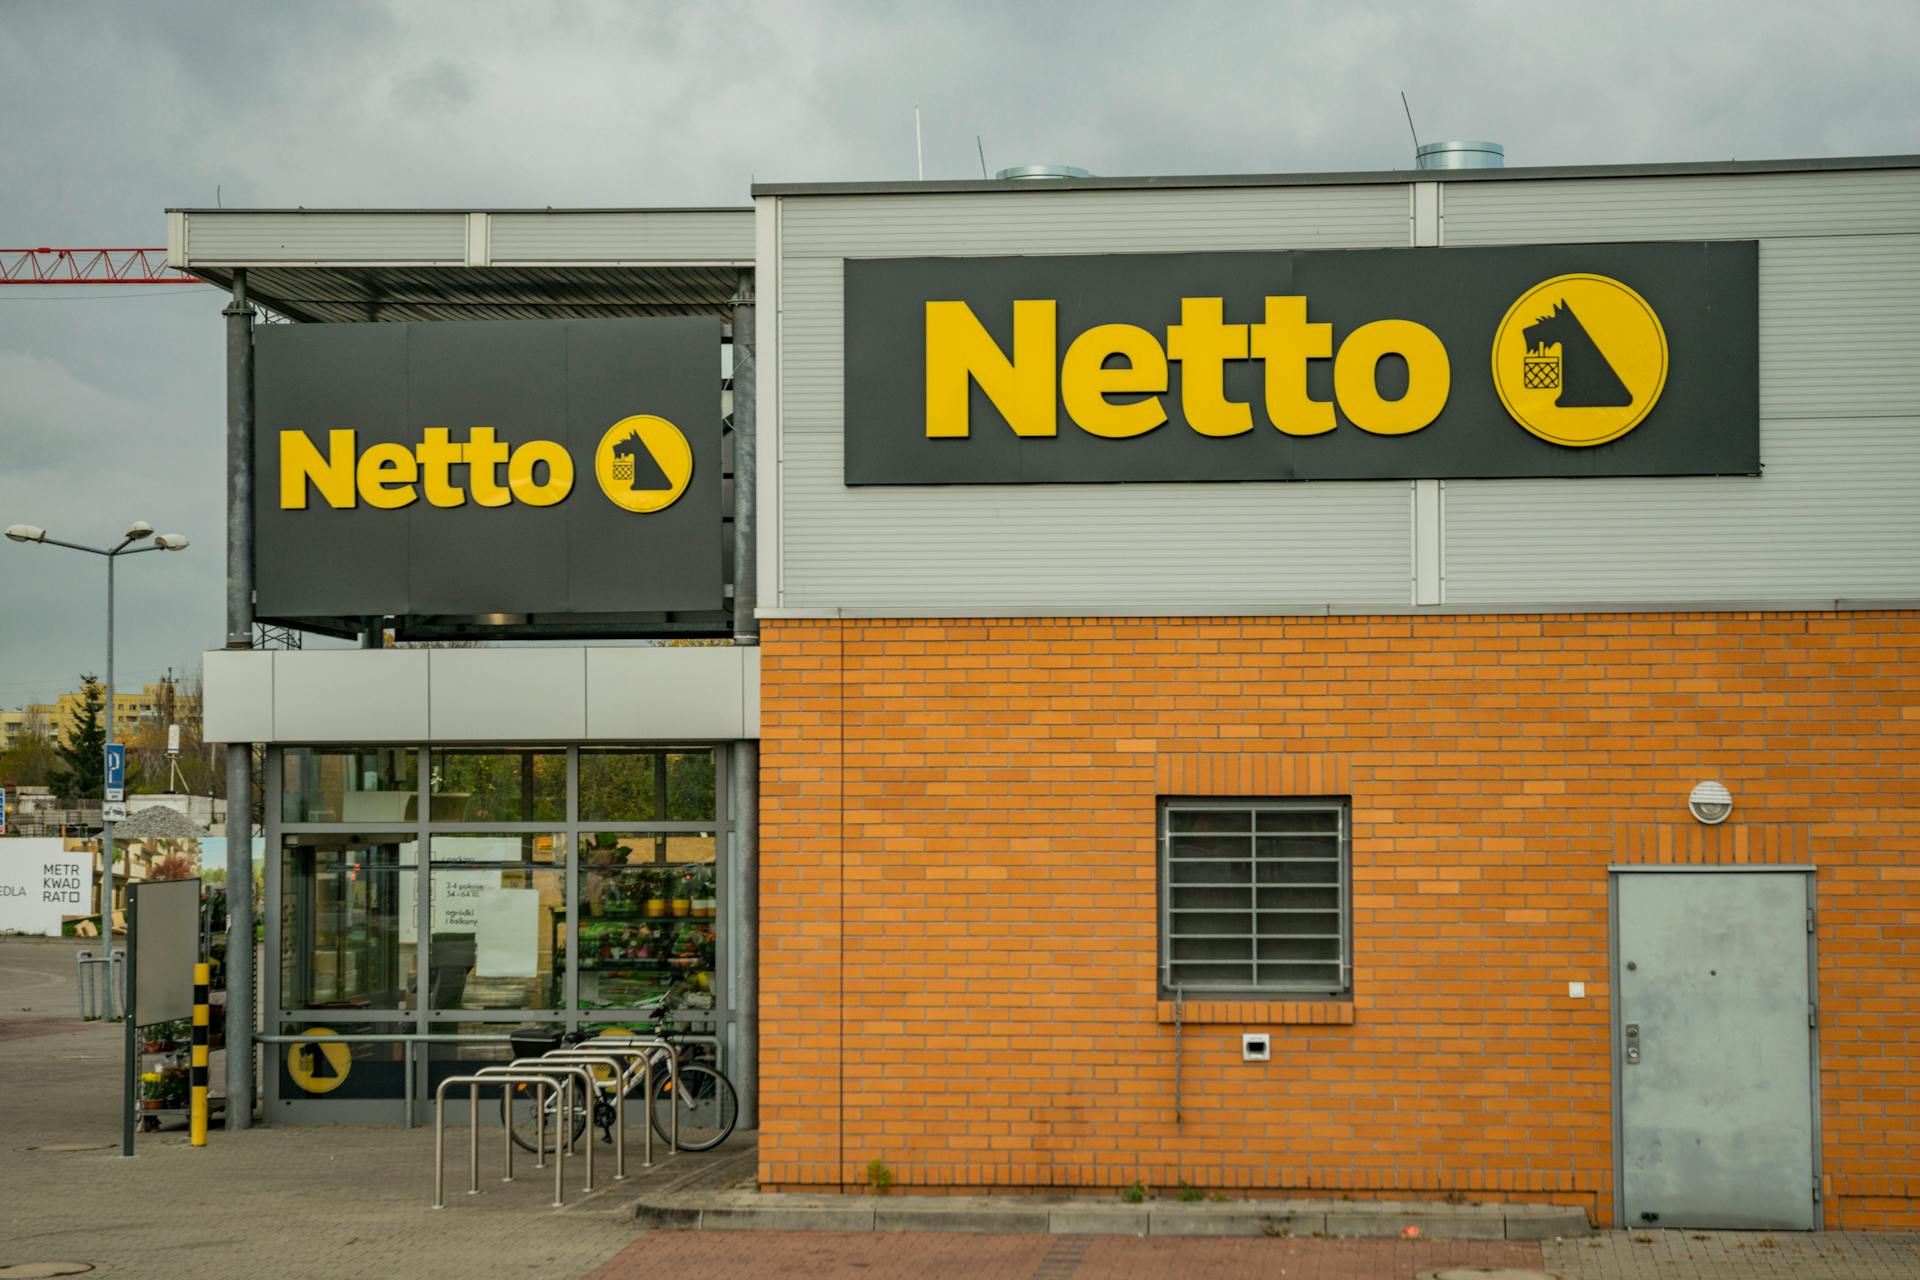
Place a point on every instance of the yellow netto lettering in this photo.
(301, 464)
(390, 476)
(1086, 381)
(1031, 386)
(960, 350)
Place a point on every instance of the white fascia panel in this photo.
(750, 692)
(237, 695)
(508, 695)
(350, 695)
(658, 694)
(767, 412)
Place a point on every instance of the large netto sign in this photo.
(523, 467)
(1545, 360)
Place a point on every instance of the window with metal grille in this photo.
(1254, 897)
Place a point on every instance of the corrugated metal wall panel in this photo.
(1840, 326)
(1834, 516)
(1096, 222)
(1269, 546)
(1720, 207)
(635, 236)
(241, 238)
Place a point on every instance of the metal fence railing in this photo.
(102, 983)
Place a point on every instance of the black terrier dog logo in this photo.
(1585, 379)
(634, 463)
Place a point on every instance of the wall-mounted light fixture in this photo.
(1710, 802)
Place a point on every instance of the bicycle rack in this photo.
(573, 1072)
(474, 1084)
(612, 1064)
(101, 995)
(643, 1047)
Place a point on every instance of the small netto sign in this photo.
(1540, 360)
(514, 467)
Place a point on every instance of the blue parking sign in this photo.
(116, 771)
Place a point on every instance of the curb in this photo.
(1017, 1215)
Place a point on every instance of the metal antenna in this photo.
(983, 154)
(1410, 129)
(919, 151)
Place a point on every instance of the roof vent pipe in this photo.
(1033, 172)
(1460, 155)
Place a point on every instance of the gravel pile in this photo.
(158, 822)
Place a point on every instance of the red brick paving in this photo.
(1122, 1258)
(751, 1255)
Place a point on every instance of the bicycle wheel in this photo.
(707, 1107)
(518, 1108)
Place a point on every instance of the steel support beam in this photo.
(240, 1010)
(746, 756)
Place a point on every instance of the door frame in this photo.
(1614, 871)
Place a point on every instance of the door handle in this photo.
(1631, 1035)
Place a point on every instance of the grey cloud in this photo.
(439, 86)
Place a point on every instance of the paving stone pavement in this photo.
(1731, 1255)
(324, 1203)
(752, 1255)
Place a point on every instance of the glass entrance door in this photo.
(444, 895)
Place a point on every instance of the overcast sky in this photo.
(111, 400)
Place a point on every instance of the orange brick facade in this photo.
(959, 903)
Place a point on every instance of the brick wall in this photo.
(959, 895)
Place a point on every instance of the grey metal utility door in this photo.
(1712, 1049)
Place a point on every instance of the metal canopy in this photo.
(367, 292)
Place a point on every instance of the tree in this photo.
(82, 757)
(28, 762)
(174, 866)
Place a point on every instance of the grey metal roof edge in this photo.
(717, 208)
(1359, 177)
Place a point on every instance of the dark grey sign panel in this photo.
(566, 383)
(166, 947)
(1704, 419)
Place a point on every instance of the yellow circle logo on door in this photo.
(1579, 360)
(319, 1066)
(643, 463)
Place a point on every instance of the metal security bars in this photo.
(1254, 897)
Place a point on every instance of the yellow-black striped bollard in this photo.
(197, 1116)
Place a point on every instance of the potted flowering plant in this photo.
(165, 1037)
(150, 1090)
(703, 894)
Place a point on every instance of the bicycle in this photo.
(709, 1108)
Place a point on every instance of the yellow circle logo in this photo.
(1579, 360)
(319, 1066)
(643, 463)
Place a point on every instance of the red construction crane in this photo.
(89, 266)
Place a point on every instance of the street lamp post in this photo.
(137, 531)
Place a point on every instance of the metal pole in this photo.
(106, 828)
(132, 1069)
(473, 1139)
(746, 628)
(240, 1013)
(745, 907)
(746, 922)
(202, 1019)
